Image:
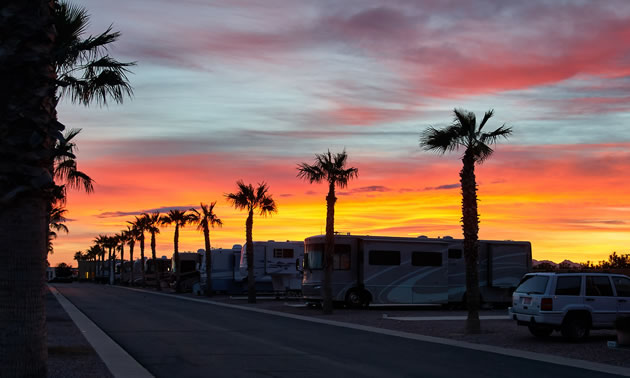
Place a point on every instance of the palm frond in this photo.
(441, 140)
(494, 136)
(486, 117)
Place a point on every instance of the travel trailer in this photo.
(226, 276)
(275, 265)
(398, 270)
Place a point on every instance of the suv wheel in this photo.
(575, 327)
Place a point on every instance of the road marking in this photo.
(557, 360)
(415, 318)
(117, 360)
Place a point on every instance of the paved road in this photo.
(176, 338)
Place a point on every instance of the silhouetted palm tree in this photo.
(465, 133)
(152, 223)
(65, 171)
(140, 225)
(180, 219)
(330, 168)
(122, 237)
(56, 223)
(251, 199)
(111, 243)
(205, 219)
(132, 235)
(101, 242)
(85, 71)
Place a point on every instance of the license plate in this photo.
(527, 300)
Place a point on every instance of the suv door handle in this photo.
(590, 299)
(622, 301)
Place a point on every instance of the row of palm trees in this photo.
(150, 223)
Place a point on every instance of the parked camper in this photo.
(226, 276)
(395, 270)
(189, 275)
(275, 265)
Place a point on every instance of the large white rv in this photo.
(396, 270)
(276, 263)
(226, 276)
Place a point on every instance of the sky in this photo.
(241, 89)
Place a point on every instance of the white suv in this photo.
(573, 303)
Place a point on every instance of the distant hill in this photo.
(566, 263)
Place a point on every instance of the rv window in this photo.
(282, 253)
(314, 254)
(426, 259)
(454, 253)
(384, 258)
(341, 258)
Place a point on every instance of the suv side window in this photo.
(622, 285)
(598, 286)
(568, 285)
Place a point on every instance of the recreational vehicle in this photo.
(226, 276)
(397, 270)
(275, 265)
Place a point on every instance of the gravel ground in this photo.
(69, 353)
(502, 333)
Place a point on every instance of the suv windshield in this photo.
(532, 285)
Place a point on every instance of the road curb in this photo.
(557, 360)
(117, 360)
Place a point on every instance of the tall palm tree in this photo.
(132, 235)
(121, 237)
(180, 219)
(205, 219)
(465, 133)
(252, 200)
(330, 168)
(111, 243)
(101, 242)
(140, 225)
(152, 222)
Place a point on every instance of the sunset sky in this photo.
(239, 89)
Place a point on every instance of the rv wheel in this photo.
(356, 298)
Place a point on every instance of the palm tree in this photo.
(100, 242)
(140, 225)
(111, 243)
(132, 235)
(65, 169)
(205, 219)
(56, 219)
(250, 199)
(152, 222)
(121, 237)
(180, 219)
(463, 132)
(330, 168)
(85, 71)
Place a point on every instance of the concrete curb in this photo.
(557, 360)
(117, 360)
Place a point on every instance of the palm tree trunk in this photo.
(131, 263)
(23, 229)
(249, 248)
(470, 226)
(206, 236)
(155, 263)
(111, 266)
(178, 267)
(327, 306)
(144, 278)
(122, 262)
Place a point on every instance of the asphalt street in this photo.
(177, 338)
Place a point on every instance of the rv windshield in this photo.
(314, 256)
